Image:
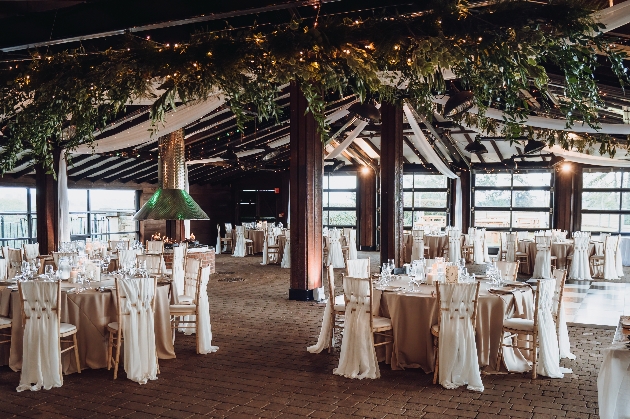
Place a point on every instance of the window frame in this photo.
(30, 214)
(326, 209)
(446, 210)
(620, 212)
(90, 218)
(511, 209)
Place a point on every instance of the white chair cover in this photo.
(359, 268)
(454, 246)
(619, 258)
(358, 357)
(137, 324)
(335, 254)
(564, 344)
(4, 272)
(510, 255)
(41, 352)
(417, 249)
(217, 248)
(480, 249)
(542, 265)
(286, 256)
(126, 259)
(352, 244)
(155, 246)
(580, 267)
(189, 290)
(178, 272)
(459, 364)
(31, 251)
(323, 341)
(549, 353)
(5, 252)
(94, 269)
(14, 260)
(610, 265)
(203, 322)
(239, 246)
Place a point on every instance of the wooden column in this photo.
(563, 199)
(47, 207)
(466, 180)
(578, 184)
(306, 171)
(367, 209)
(391, 183)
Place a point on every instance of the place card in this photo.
(452, 274)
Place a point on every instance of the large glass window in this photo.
(606, 201)
(425, 200)
(18, 221)
(102, 213)
(258, 205)
(512, 201)
(339, 200)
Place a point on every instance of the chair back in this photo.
(179, 269)
(126, 259)
(457, 302)
(358, 295)
(41, 304)
(153, 263)
(191, 278)
(358, 268)
(31, 251)
(93, 269)
(4, 272)
(5, 252)
(508, 270)
(417, 234)
(228, 228)
(543, 243)
(454, 245)
(560, 275)
(119, 244)
(155, 246)
(330, 283)
(15, 262)
(510, 247)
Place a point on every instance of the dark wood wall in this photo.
(366, 210)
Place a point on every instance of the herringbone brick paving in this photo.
(263, 370)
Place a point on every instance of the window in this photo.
(606, 201)
(18, 220)
(339, 200)
(258, 204)
(425, 200)
(512, 201)
(102, 213)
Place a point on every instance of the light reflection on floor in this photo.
(596, 303)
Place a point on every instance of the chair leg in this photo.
(534, 356)
(332, 333)
(76, 353)
(117, 355)
(500, 354)
(437, 363)
(110, 345)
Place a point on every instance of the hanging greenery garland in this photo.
(62, 100)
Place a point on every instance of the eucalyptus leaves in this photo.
(496, 51)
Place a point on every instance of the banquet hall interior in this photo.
(314, 208)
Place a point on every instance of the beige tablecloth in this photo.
(90, 311)
(413, 314)
(435, 245)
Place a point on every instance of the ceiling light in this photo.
(555, 160)
(566, 167)
(534, 146)
(476, 147)
(365, 170)
(458, 102)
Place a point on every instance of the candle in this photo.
(73, 275)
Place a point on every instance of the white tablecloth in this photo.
(613, 382)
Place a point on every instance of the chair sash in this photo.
(459, 364)
(178, 271)
(137, 323)
(610, 264)
(335, 254)
(510, 255)
(323, 341)
(239, 246)
(618, 258)
(95, 270)
(15, 262)
(480, 249)
(542, 264)
(359, 268)
(580, 267)
(286, 256)
(203, 322)
(454, 246)
(41, 352)
(358, 357)
(352, 244)
(417, 249)
(126, 259)
(549, 353)
(31, 251)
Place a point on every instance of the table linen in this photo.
(613, 381)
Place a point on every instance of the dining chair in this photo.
(564, 345)
(187, 287)
(116, 244)
(126, 259)
(15, 262)
(509, 270)
(154, 263)
(286, 255)
(358, 354)
(135, 329)
(31, 251)
(544, 261)
(40, 303)
(239, 249)
(155, 246)
(606, 262)
(453, 250)
(417, 249)
(272, 249)
(454, 334)
(195, 315)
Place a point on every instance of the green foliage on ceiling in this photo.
(62, 100)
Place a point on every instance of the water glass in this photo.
(49, 271)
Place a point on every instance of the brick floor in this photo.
(263, 370)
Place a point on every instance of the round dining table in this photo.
(436, 244)
(414, 312)
(90, 311)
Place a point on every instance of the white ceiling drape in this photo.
(63, 226)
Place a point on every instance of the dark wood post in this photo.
(306, 171)
(466, 180)
(367, 209)
(391, 183)
(563, 198)
(47, 207)
(578, 184)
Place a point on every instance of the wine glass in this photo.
(49, 271)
